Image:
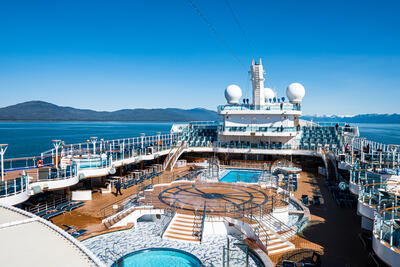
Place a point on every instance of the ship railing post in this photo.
(5, 187)
(122, 149)
(380, 226)
(56, 144)
(3, 149)
(391, 228)
(142, 136)
(158, 141)
(87, 146)
(93, 140)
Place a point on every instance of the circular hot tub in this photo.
(158, 257)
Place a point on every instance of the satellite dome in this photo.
(269, 93)
(233, 93)
(295, 92)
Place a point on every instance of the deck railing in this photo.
(277, 129)
(47, 205)
(13, 186)
(269, 106)
(387, 227)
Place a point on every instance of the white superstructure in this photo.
(269, 119)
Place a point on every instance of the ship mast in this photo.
(257, 78)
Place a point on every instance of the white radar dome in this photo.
(269, 94)
(295, 92)
(233, 93)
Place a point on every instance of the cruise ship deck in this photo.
(260, 187)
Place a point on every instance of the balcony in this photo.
(386, 235)
(275, 108)
(258, 131)
(14, 191)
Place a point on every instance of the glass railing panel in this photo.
(13, 186)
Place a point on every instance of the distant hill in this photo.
(362, 118)
(43, 111)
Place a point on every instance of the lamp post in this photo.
(87, 146)
(56, 144)
(158, 141)
(101, 145)
(142, 140)
(3, 148)
(93, 140)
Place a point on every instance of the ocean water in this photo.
(383, 133)
(32, 138)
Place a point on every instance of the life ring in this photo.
(39, 164)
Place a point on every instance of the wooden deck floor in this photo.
(331, 230)
(228, 199)
(90, 215)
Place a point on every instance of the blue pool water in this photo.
(247, 176)
(158, 257)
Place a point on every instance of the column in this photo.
(93, 140)
(56, 144)
(3, 149)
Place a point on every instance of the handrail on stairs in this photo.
(230, 223)
(176, 155)
(167, 158)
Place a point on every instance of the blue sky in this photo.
(109, 55)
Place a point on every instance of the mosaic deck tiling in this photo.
(109, 247)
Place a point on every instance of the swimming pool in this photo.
(158, 257)
(247, 176)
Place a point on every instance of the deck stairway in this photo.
(112, 220)
(184, 227)
(276, 234)
(275, 243)
(278, 226)
(174, 155)
(170, 155)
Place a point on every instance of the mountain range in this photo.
(361, 118)
(44, 111)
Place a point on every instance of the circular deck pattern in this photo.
(219, 197)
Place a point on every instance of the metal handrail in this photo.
(251, 217)
(168, 216)
(203, 220)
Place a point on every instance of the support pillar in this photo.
(3, 149)
(56, 144)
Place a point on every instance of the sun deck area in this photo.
(331, 231)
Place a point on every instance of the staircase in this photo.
(173, 156)
(278, 226)
(273, 233)
(184, 227)
(170, 155)
(274, 242)
(114, 219)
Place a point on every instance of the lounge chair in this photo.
(287, 263)
(304, 199)
(74, 206)
(53, 214)
(316, 200)
(63, 205)
(79, 233)
(41, 213)
(68, 228)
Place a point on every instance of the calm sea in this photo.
(32, 138)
